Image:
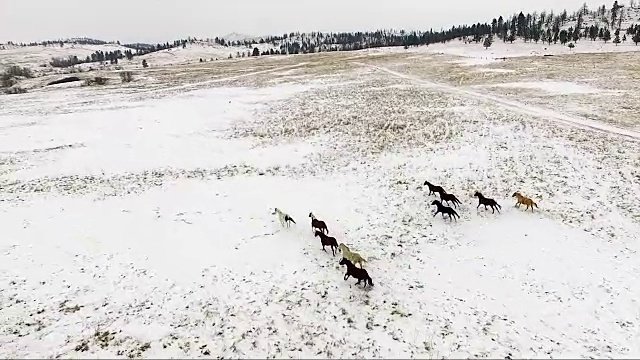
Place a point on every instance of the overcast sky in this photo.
(165, 20)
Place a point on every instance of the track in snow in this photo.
(535, 111)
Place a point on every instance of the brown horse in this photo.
(328, 241)
(318, 224)
(524, 200)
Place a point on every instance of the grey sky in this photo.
(164, 20)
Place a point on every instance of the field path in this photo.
(515, 106)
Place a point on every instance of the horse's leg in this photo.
(479, 206)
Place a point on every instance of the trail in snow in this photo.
(518, 107)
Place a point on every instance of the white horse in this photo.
(354, 257)
(285, 219)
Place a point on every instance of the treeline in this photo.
(99, 56)
(114, 56)
(61, 43)
(549, 27)
(135, 49)
(546, 27)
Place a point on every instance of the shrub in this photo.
(9, 77)
(126, 76)
(7, 81)
(15, 70)
(98, 80)
(15, 90)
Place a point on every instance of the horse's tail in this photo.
(370, 282)
(498, 205)
(289, 218)
(536, 205)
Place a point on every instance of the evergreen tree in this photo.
(563, 37)
(606, 36)
(636, 38)
(488, 41)
(616, 39)
(614, 12)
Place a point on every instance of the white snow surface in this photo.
(143, 227)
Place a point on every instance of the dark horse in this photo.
(487, 202)
(328, 241)
(360, 274)
(450, 198)
(444, 210)
(318, 224)
(434, 188)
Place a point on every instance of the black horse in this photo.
(360, 274)
(450, 198)
(445, 210)
(487, 202)
(433, 189)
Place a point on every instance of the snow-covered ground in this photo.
(136, 218)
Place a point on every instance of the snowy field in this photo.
(136, 218)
